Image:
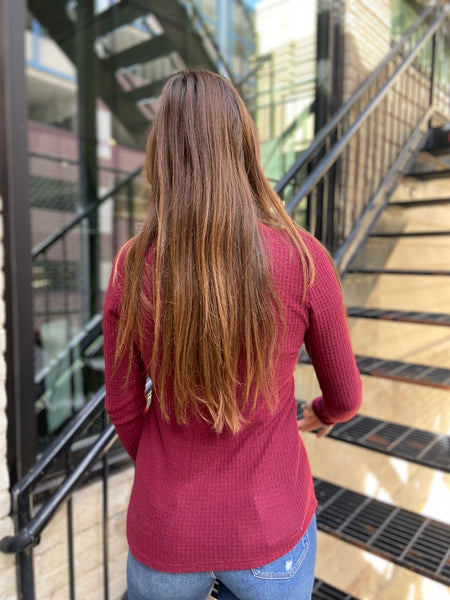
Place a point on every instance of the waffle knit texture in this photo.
(203, 501)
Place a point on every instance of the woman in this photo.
(213, 299)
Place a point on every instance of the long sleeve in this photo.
(126, 401)
(327, 341)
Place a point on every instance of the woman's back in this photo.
(203, 500)
(213, 299)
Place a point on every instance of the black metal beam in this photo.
(86, 64)
(139, 54)
(21, 435)
(17, 233)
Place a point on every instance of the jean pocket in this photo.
(286, 566)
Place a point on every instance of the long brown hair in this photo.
(213, 304)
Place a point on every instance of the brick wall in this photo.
(367, 35)
(7, 563)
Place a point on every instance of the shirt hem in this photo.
(224, 565)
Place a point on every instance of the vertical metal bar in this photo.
(385, 139)
(356, 146)
(24, 560)
(367, 150)
(66, 275)
(70, 533)
(408, 108)
(375, 153)
(86, 63)
(395, 125)
(47, 288)
(105, 519)
(433, 66)
(14, 195)
(130, 201)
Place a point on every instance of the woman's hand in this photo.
(310, 422)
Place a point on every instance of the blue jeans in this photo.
(290, 577)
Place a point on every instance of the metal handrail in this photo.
(29, 535)
(327, 162)
(78, 343)
(352, 102)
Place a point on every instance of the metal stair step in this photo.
(428, 272)
(400, 371)
(151, 90)
(321, 591)
(118, 15)
(152, 49)
(406, 538)
(324, 591)
(424, 448)
(402, 234)
(423, 318)
(419, 202)
(426, 175)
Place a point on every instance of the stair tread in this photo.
(425, 318)
(400, 234)
(150, 90)
(433, 174)
(149, 49)
(425, 448)
(321, 591)
(428, 272)
(406, 538)
(398, 370)
(118, 15)
(418, 202)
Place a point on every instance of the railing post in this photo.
(24, 560)
(86, 63)
(15, 206)
(433, 66)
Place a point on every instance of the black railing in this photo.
(323, 169)
(90, 431)
(59, 297)
(359, 154)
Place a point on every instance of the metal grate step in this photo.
(400, 371)
(321, 591)
(427, 175)
(407, 372)
(419, 202)
(403, 537)
(402, 234)
(422, 318)
(422, 447)
(429, 272)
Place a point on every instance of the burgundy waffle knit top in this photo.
(203, 501)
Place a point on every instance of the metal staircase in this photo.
(136, 46)
(409, 539)
(316, 186)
